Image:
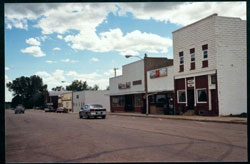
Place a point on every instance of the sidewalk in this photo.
(219, 119)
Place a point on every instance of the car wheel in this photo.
(87, 116)
(103, 117)
(80, 116)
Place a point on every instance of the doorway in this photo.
(190, 96)
(129, 103)
(214, 102)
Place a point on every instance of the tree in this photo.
(96, 87)
(28, 91)
(58, 88)
(107, 88)
(77, 86)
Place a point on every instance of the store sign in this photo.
(124, 85)
(190, 83)
(138, 82)
(49, 103)
(159, 73)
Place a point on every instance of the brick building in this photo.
(210, 67)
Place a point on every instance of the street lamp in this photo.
(145, 77)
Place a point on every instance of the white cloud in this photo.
(50, 61)
(59, 36)
(34, 51)
(53, 79)
(65, 60)
(115, 40)
(56, 49)
(95, 59)
(7, 68)
(33, 41)
(183, 13)
(69, 61)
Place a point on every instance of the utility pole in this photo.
(115, 71)
(146, 84)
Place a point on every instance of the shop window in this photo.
(160, 100)
(151, 99)
(138, 100)
(202, 95)
(118, 101)
(213, 79)
(181, 94)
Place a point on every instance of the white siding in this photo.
(165, 83)
(231, 65)
(91, 97)
(194, 36)
(130, 72)
(78, 102)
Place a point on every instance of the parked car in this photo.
(61, 110)
(49, 109)
(92, 110)
(19, 109)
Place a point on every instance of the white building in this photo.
(160, 88)
(127, 92)
(210, 66)
(81, 98)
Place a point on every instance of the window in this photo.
(213, 79)
(160, 98)
(181, 94)
(192, 53)
(202, 95)
(181, 60)
(138, 100)
(181, 57)
(118, 101)
(77, 96)
(204, 49)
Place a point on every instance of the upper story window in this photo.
(181, 57)
(192, 53)
(77, 96)
(205, 51)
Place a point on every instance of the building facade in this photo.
(127, 92)
(161, 90)
(81, 98)
(210, 67)
(52, 98)
(66, 100)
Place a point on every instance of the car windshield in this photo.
(96, 106)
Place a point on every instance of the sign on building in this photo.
(124, 85)
(159, 73)
(190, 83)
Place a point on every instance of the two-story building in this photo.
(210, 66)
(161, 90)
(127, 92)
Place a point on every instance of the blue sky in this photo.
(65, 42)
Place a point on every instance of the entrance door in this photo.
(129, 103)
(190, 99)
(213, 101)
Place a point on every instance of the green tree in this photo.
(96, 87)
(29, 91)
(77, 85)
(107, 88)
(58, 88)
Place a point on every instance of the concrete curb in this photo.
(182, 118)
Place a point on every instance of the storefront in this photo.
(127, 92)
(161, 90)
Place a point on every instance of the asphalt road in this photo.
(57, 137)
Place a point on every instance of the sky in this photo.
(63, 42)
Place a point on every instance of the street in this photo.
(37, 136)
